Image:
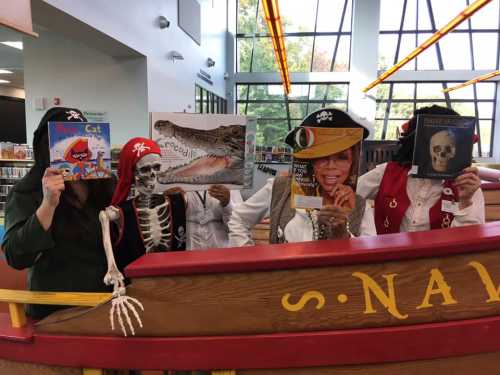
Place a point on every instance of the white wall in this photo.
(87, 79)
(134, 23)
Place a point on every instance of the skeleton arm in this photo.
(113, 276)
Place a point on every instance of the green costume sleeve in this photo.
(25, 239)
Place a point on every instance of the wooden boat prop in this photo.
(407, 303)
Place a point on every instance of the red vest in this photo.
(392, 201)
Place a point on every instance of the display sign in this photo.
(80, 150)
(199, 150)
(443, 146)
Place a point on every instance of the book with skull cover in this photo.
(443, 146)
(80, 150)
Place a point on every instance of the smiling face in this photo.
(333, 169)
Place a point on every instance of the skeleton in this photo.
(442, 149)
(155, 221)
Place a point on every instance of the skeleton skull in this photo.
(146, 171)
(442, 149)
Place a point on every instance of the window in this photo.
(405, 24)
(396, 102)
(277, 114)
(208, 102)
(317, 36)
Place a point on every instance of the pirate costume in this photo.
(129, 242)
(274, 199)
(403, 203)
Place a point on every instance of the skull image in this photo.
(146, 171)
(442, 149)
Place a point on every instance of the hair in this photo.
(404, 155)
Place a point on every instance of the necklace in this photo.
(313, 216)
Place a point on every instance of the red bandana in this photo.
(131, 153)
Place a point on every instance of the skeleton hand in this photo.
(120, 306)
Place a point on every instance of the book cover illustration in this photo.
(80, 150)
(199, 150)
(443, 146)
(325, 167)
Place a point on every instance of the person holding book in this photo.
(208, 212)
(404, 203)
(52, 225)
(331, 173)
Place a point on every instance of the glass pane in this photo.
(485, 50)
(269, 92)
(429, 104)
(241, 107)
(298, 53)
(297, 110)
(271, 133)
(403, 91)
(348, 17)
(427, 60)
(424, 21)
(242, 91)
(485, 127)
(383, 91)
(298, 15)
(455, 50)
(263, 56)
(327, 8)
(485, 110)
(379, 124)
(246, 16)
(392, 125)
(386, 50)
(410, 15)
(299, 92)
(295, 123)
(407, 45)
(466, 92)
(317, 92)
(390, 14)
(267, 110)
(445, 11)
(323, 53)
(464, 109)
(341, 63)
(401, 110)
(315, 106)
(485, 90)
(430, 91)
(244, 50)
(487, 18)
(381, 107)
(337, 92)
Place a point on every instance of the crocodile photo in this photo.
(223, 162)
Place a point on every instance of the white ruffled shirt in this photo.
(255, 209)
(207, 222)
(423, 194)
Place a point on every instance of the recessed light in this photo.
(5, 71)
(4, 81)
(18, 45)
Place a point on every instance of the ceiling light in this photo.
(4, 81)
(5, 71)
(18, 45)
(473, 80)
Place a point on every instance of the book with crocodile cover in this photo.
(199, 150)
